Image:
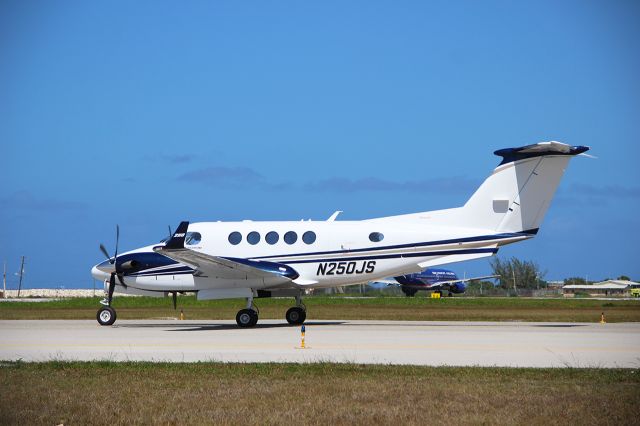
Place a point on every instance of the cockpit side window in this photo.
(192, 238)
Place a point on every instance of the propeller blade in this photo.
(115, 256)
(104, 251)
(121, 279)
(175, 300)
(112, 286)
(170, 232)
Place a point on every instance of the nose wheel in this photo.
(106, 315)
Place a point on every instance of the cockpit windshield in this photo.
(192, 238)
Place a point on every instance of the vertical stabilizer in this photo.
(518, 193)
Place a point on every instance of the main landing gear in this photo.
(248, 317)
(297, 314)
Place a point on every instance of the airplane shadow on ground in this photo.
(221, 327)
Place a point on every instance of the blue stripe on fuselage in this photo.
(400, 246)
(396, 256)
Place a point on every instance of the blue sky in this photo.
(148, 113)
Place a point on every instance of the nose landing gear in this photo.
(106, 315)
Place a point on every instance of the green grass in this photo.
(214, 393)
(320, 307)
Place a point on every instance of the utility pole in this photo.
(4, 280)
(513, 273)
(21, 274)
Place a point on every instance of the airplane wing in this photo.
(229, 268)
(464, 280)
(392, 281)
(388, 281)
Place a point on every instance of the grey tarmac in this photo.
(503, 344)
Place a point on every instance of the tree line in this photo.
(514, 274)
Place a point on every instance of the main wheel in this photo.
(409, 292)
(247, 318)
(296, 315)
(106, 315)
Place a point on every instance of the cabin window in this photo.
(192, 238)
(272, 237)
(290, 237)
(235, 238)
(309, 237)
(253, 238)
(376, 237)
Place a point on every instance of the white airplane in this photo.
(220, 260)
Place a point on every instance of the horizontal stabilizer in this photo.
(538, 150)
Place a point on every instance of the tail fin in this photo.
(518, 193)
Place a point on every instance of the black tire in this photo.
(106, 315)
(247, 318)
(296, 316)
(409, 292)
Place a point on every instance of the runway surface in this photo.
(515, 344)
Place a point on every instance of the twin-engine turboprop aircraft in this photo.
(219, 260)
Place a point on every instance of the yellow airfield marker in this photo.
(302, 345)
(602, 320)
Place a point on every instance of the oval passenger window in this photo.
(309, 237)
(290, 237)
(235, 238)
(376, 237)
(272, 237)
(253, 238)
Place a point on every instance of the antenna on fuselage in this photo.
(334, 216)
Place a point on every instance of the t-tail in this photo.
(517, 195)
(512, 200)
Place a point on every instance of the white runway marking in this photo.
(370, 342)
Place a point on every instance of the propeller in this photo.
(117, 272)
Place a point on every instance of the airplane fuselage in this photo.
(334, 253)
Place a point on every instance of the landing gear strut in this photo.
(298, 313)
(106, 314)
(248, 317)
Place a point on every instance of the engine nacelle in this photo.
(458, 288)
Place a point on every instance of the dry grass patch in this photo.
(214, 393)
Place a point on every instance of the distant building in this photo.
(555, 285)
(605, 288)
